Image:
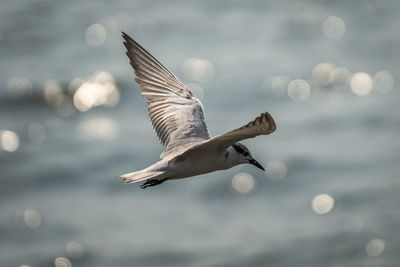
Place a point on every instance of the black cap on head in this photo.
(241, 149)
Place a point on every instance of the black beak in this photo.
(255, 163)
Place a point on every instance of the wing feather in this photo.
(176, 114)
(262, 125)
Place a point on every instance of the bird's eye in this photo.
(246, 154)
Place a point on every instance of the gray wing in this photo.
(176, 114)
(262, 125)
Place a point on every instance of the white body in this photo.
(195, 165)
(191, 165)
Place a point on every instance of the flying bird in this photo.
(178, 118)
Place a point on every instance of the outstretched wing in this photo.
(262, 125)
(176, 114)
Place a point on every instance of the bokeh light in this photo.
(29, 218)
(361, 83)
(299, 90)
(37, 133)
(98, 90)
(322, 204)
(323, 73)
(276, 85)
(87, 96)
(9, 141)
(243, 183)
(383, 82)
(53, 95)
(95, 34)
(75, 84)
(74, 250)
(70, 106)
(334, 27)
(198, 70)
(52, 90)
(275, 170)
(32, 218)
(19, 87)
(62, 262)
(375, 247)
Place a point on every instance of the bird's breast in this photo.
(195, 165)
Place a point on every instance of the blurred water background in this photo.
(72, 119)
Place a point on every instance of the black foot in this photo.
(152, 183)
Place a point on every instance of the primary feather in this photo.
(176, 114)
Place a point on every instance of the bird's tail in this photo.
(139, 176)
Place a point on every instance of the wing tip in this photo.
(124, 178)
(267, 118)
(128, 41)
(125, 35)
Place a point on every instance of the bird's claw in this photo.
(152, 183)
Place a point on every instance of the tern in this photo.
(178, 118)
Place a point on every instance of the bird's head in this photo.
(240, 154)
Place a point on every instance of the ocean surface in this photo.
(72, 119)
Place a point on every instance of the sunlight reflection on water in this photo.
(334, 27)
(323, 204)
(68, 129)
(375, 247)
(383, 82)
(243, 183)
(98, 90)
(275, 170)
(62, 262)
(95, 34)
(9, 141)
(361, 83)
(299, 90)
(29, 218)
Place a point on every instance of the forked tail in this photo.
(139, 176)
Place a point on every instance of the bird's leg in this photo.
(152, 183)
